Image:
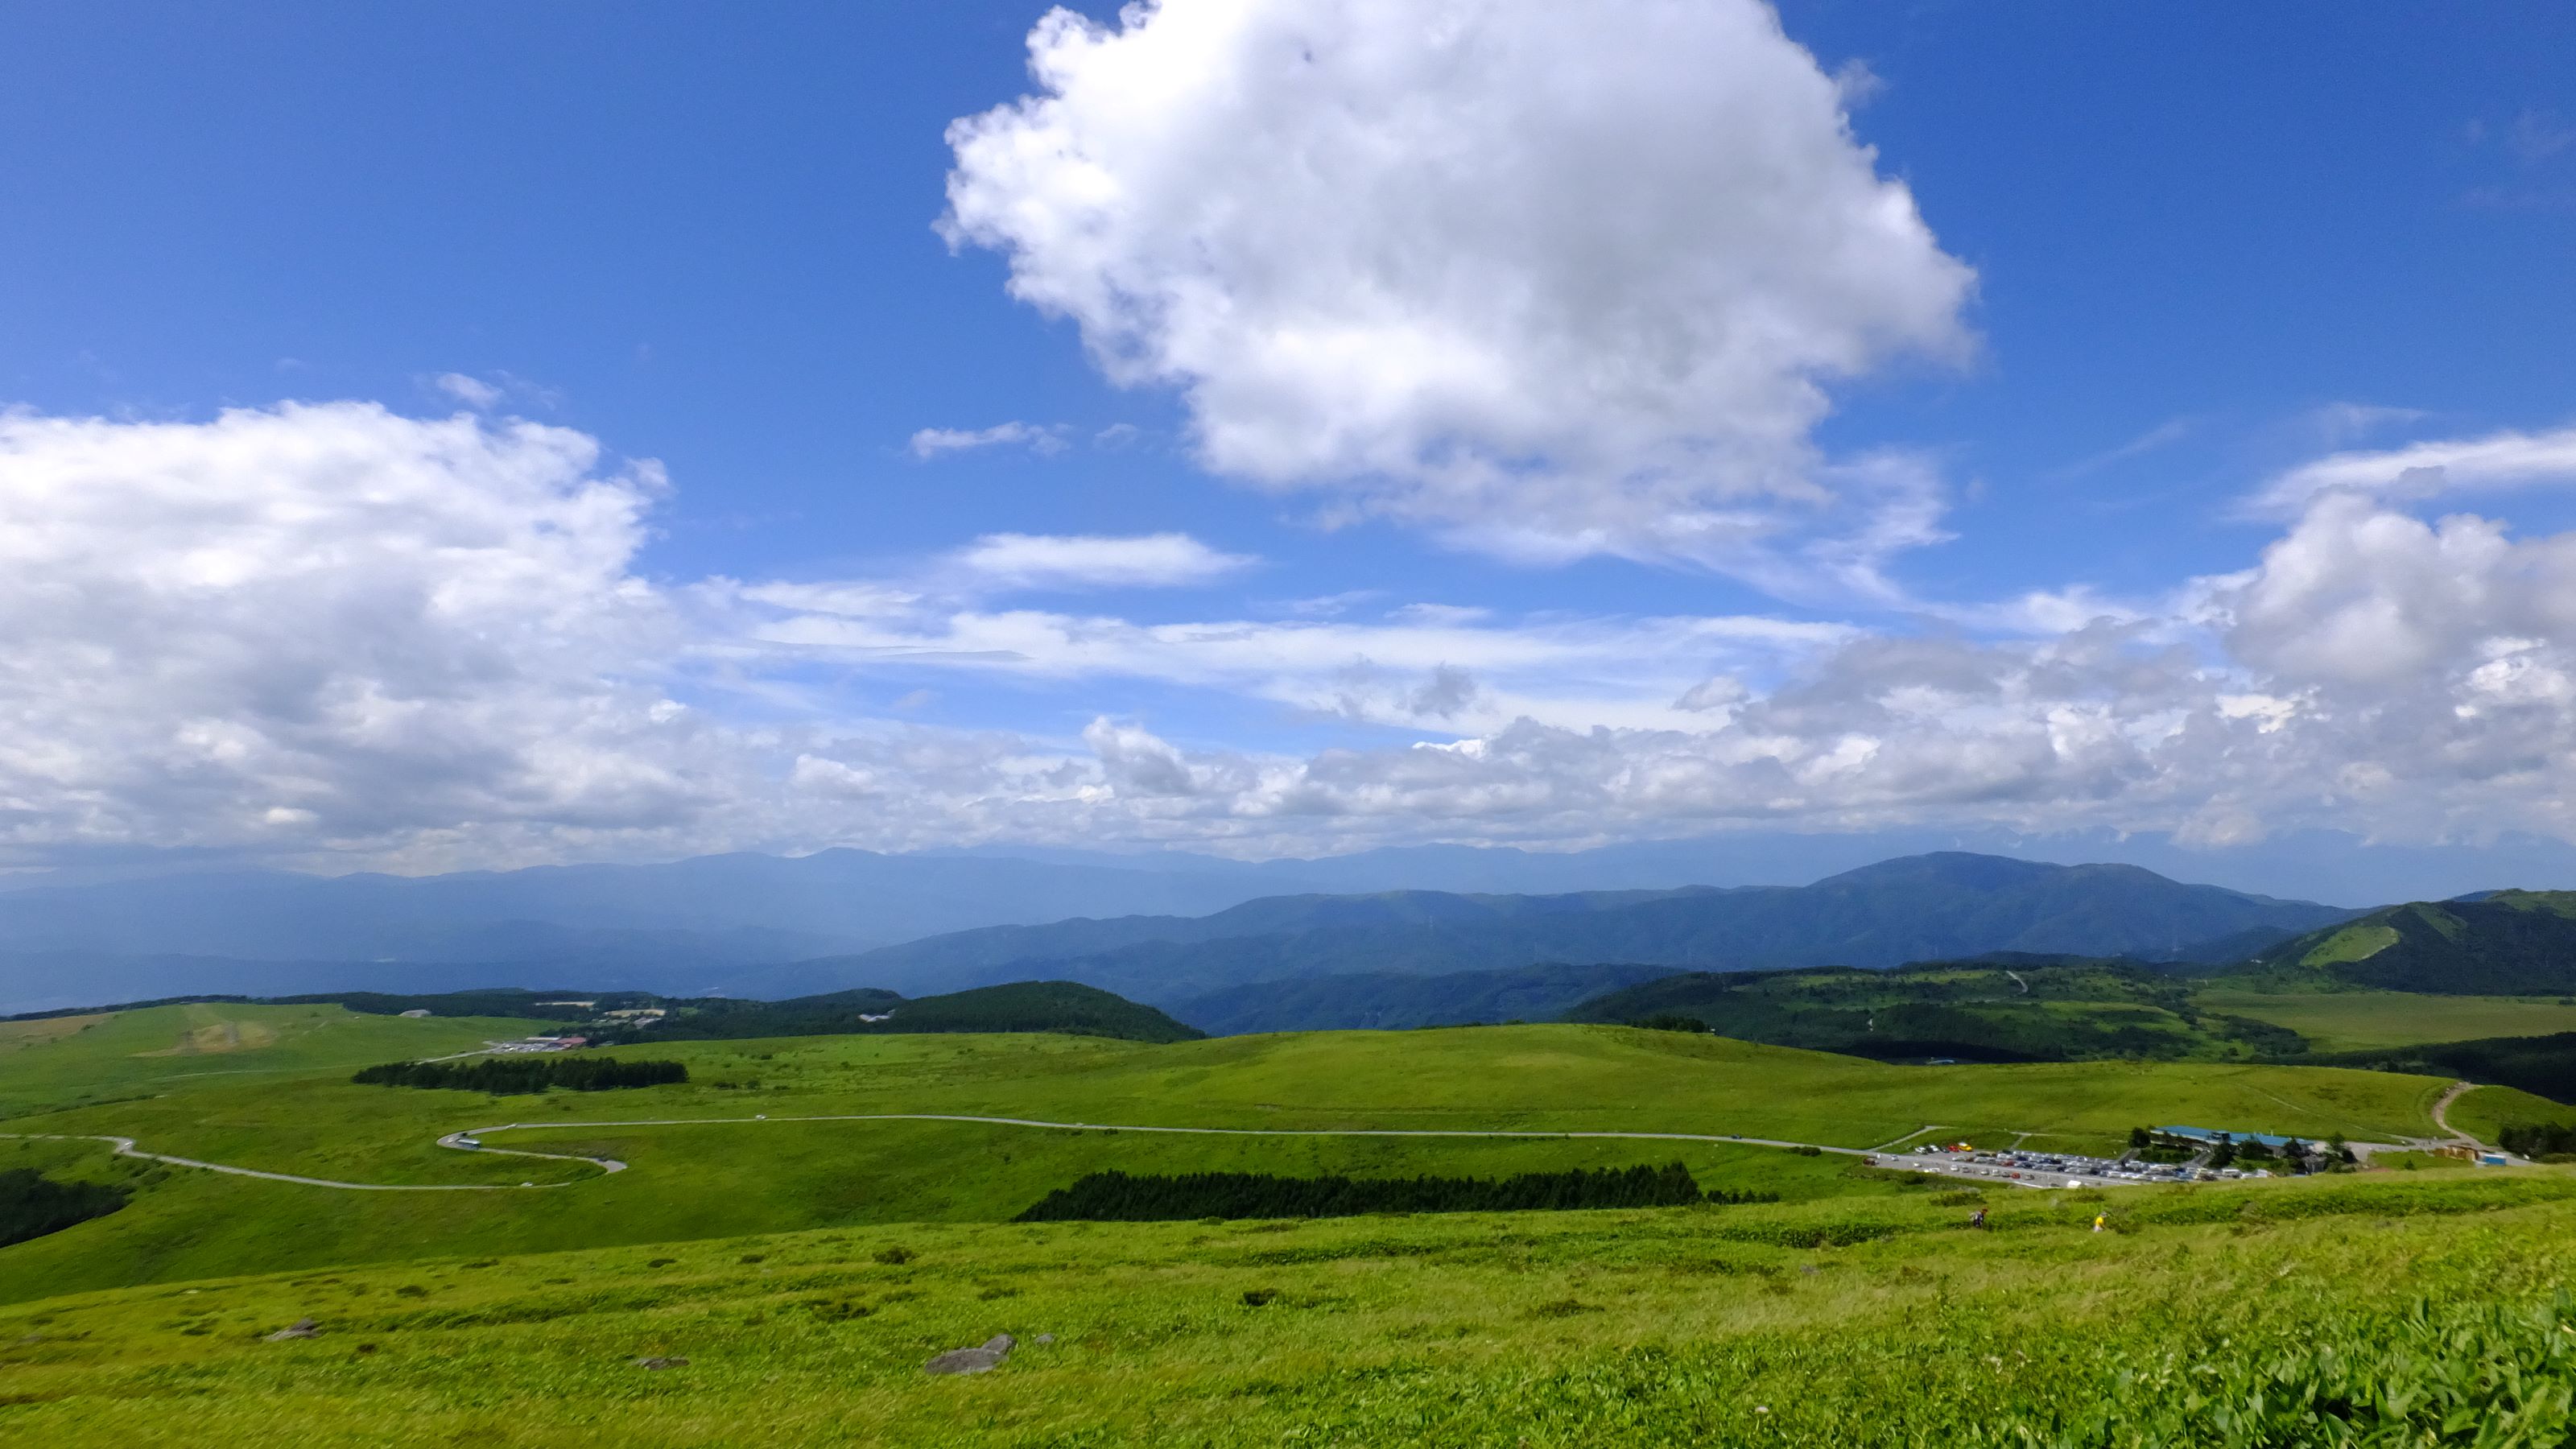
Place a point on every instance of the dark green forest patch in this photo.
(1119, 1197)
(32, 1204)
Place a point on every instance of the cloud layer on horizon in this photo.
(331, 632)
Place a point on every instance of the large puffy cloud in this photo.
(2357, 594)
(326, 624)
(1556, 279)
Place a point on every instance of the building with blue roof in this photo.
(2204, 1134)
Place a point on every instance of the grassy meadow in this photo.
(2340, 1021)
(806, 1269)
(65, 1061)
(703, 1178)
(1842, 1321)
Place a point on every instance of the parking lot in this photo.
(2050, 1169)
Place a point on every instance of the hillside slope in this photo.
(1998, 1009)
(2509, 943)
(1391, 1001)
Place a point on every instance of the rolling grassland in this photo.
(726, 1153)
(2337, 1021)
(2421, 1311)
(789, 1277)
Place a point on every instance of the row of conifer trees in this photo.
(508, 1075)
(1120, 1197)
(32, 1205)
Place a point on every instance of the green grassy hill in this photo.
(2422, 1311)
(2339, 1021)
(1020, 1006)
(791, 1226)
(724, 1154)
(2508, 944)
(1994, 1009)
(61, 1061)
(1391, 1001)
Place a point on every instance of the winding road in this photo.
(468, 1140)
(448, 1141)
(125, 1146)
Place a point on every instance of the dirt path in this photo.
(2442, 1106)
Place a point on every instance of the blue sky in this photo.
(1266, 597)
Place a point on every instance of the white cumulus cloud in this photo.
(1553, 279)
(1093, 561)
(325, 624)
(329, 633)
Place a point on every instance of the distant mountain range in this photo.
(2503, 943)
(769, 927)
(685, 928)
(1926, 907)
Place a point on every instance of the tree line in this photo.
(503, 1076)
(32, 1204)
(2537, 1139)
(1120, 1197)
(2542, 1065)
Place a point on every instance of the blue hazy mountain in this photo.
(1927, 907)
(1158, 929)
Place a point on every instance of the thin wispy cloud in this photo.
(2426, 470)
(1093, 561)
(2163, 435)
(474, 392)
(940, 442)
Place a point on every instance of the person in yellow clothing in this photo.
(2099, 1219)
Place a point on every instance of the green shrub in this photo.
(2468, 1374)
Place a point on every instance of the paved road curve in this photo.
(449, 1140)
(456, 1140)
(125, 1148)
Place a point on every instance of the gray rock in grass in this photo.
(973, 1360)
(300, 1328)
